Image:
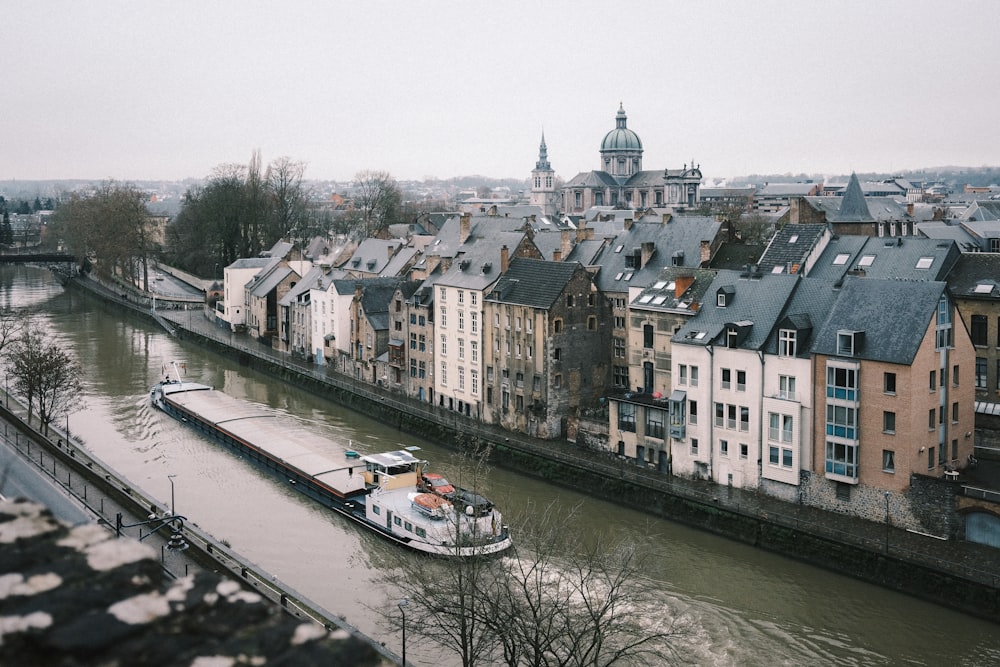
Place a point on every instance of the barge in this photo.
(388, 493)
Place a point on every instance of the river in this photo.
(746, 606)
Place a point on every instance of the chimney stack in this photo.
(504, 259)
(648, 248)
(706, 253)
(565, 243)
(464, 227)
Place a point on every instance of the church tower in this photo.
(543, 182)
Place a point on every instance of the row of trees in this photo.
(111, 226)
(38, 369)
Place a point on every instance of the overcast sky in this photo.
(169, 90)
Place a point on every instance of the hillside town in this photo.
(828, 344)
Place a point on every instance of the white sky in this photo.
(169, 90)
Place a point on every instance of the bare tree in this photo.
(377, 199)
(558, 598)
(288, 200)
(45, 375)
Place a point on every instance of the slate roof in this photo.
(805, 312)
(973, 270)
(533, 282)
(662, 295)
(852, 205)
(592, 179)
(373, 255)
(310, 280)
(756, 298)
(683, 234)
(270, 280)
(250, 263)
(893, 314)
(941, 230)
(786, 189)
(897, 258)
(790, 247)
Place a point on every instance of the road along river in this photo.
(748, 607)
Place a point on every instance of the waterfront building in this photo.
(620, 182)
(295, 316)
(974, 284)
(235, 277)
(639, 421)
(545, 351)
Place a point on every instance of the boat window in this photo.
(376, 509)
(396, 520)
(409, 526)
(421, 532)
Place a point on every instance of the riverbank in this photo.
(959, 575)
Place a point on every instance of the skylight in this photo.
(645, 298)
(619, 248)
(925, 262)
(841, 259)
(984, 288)
(619, 276)
(628, 276)
(867, 260)
(660, 284)
(671, 285)
(778, 269)
(793, 238)
(659, 300)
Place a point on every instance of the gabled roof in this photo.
(592, 179)
(270, 281)
(533, 282)
(250, 263)
(756, 298)
(892, 314)
(677, 242)
(790, 247)
(897, 258)
(310, 280)
(677, 289)
(373, 255)
(976, 276)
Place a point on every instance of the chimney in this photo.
(909, 209)
(504, 259)
(565, 243)
(582, 231)
(557, 255)
(628, 224)
(681, 284)
(706, 252)
(464, 227)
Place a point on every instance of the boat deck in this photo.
(283, 438)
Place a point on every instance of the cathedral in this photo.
(620, 182)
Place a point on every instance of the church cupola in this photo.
(621, 149)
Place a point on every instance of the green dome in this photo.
(621, 138)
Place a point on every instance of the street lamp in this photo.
(887, 494)
(173, 508)
(403, 604)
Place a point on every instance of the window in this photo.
(475, 298)
(694, 446)
(443, 294)
(413, 341)
(980, 373)
(682, 374)
(461, 348)
(724, 447)
(569, 300)
(444, 344)
(694, 376)
(730, 416)
(461, 296)
(626, 417)
(845, 343)
(786, 342)
(475, 322)
(924, 262)
(654, 423)
(841, 383)
(475, 350)
(786, 387)
(444, 374)
(620, 376)
(954, 375)
(933, 380)
(444, 316)
(744, 450)
(930, 419)
(889, 383)
(888, 422)
(461, 320)
(720, 414)
(930, 458)
(888, 460)
(693, 412)
(842, 459)
(619, 322)
(591, 323)
(726, 378)
(557, 353)
(647, 335)
(536, 383)
(519, 380)
(741, 380)
(557, 326)
(841, 422)
(744, 418)
(954, 412)
(422, 346)
(978, 331)
(841, 259)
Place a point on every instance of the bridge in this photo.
(28, 257)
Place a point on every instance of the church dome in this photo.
(621, 138)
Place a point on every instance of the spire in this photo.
(543, 156)
(620, 117)
(853, 207)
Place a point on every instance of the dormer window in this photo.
(787, 339)
(849, 342)
(724, 296)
